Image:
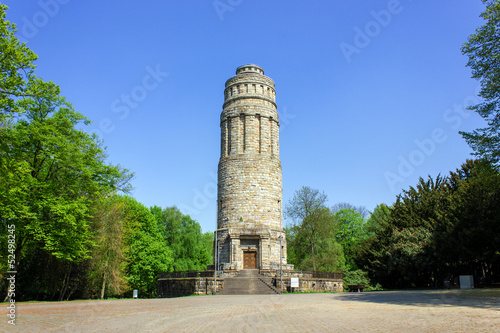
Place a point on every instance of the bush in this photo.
(359, 277)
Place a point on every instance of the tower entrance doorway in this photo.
(249, 259)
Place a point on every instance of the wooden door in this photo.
(249, 260)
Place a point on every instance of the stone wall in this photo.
(314, 285)
(307, 281)
(249, 192)
(177, 287)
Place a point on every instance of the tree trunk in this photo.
(65, 283)
(312, 256)
(103, 288)
(103, 285)
(71, 291)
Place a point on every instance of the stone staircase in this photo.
(248, 282)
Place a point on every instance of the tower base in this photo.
(251, 248)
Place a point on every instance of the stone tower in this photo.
(249, 199)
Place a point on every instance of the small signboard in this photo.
(136, 293)
(466, 281)
(294, 282)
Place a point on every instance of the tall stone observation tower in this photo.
(249, 201)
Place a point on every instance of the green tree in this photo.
(441, 228)
(207, 243)
(311, 241)
(377, 221)
(373, 246)
(408, 256)
(305, 202)
(363, 212)
(420, 206)
(51, 173)
(319, 230)
(106, 269)
(483, 50)
(192, 250)
(470, 238)
(62, 171)
(16, 68)
(397, 249)
(146, 251)
(414, 217)
(349, 235)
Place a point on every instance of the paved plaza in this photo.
(398, 311)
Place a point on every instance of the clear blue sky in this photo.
(371, 93)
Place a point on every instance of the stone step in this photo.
(248, 282)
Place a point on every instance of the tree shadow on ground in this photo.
(475, 298)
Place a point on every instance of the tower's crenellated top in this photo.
(249, 83)
(250, 68)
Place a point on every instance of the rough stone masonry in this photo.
(249, 193)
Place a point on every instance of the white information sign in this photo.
(294, 282)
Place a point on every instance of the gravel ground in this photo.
(476, 310)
